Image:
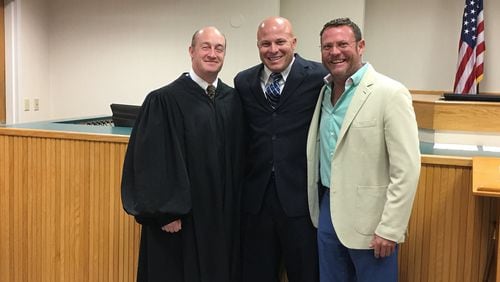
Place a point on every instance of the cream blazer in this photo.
(376, 164)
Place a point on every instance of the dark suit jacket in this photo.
(278, 136)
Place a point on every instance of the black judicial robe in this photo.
(184, 161)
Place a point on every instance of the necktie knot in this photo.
(275, 77)
(273, 89)
(211, 91)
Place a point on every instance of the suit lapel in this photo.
(296, 76)
(358, 100)
(256, 88)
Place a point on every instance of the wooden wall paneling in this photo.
(50, 220)
(5, 210)
(449, 229)
(57, 178)
(445, 219)
(454, 240)
(61, 211)
(19, 213)
(468, 243)
(93, 215)
(2, 66)
(62, 218)
(434, 228)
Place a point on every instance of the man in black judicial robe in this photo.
(181, 173)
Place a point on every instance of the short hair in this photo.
(193, 39)
(343, 22)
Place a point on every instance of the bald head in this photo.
(207, 30)
(275, 24)
(276, 43)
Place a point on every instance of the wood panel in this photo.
(449, 229)
(62, 218)
(433, 113)
(2, 66)
(486, 176)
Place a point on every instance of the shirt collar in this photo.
(202, 83)
(267, 72)
(354, 79)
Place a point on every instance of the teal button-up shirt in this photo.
(331, 121)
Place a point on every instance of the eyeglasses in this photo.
(342, 45)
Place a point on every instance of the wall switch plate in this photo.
(36, 104)
(26, 104)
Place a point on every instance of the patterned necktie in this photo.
(211, 92)
(273, 89)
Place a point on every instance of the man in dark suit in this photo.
(278, 98)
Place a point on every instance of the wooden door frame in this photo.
(3, 109)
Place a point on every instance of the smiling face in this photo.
(207, 52)
(276, 43)
(340, 52)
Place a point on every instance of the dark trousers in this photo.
(338, 263)
(271, 237)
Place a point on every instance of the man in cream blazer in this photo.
(374, 163)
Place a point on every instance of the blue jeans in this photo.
(338, 263)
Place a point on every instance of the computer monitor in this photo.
(124, 115)
(471, 97)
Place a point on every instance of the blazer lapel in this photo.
(312, 153)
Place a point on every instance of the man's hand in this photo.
(382, 247)
(173, 226)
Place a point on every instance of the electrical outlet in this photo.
(26, 104)
(36, 104)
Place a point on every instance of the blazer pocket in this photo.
(364, 123)
(370, 202)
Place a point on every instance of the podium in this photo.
(486, 182)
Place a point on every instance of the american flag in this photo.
(471, 49)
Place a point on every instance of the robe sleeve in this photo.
(155, 184)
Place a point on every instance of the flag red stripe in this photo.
(480, 27)
(469, 83)
(465, 59)
(462, 65)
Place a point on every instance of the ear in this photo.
(294, 42)
(361, 46)
(191, 51)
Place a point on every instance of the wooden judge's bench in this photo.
(62, 219)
